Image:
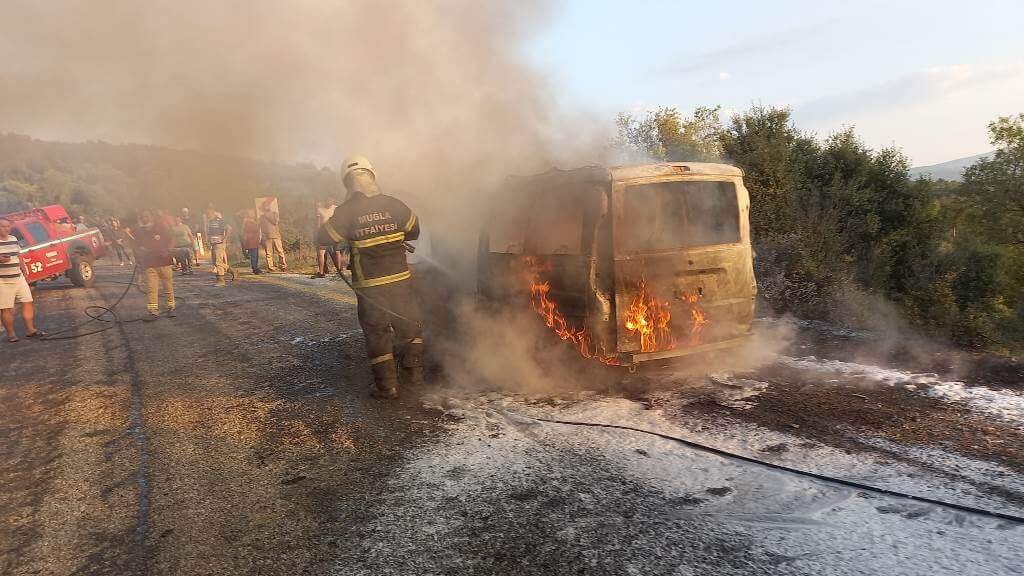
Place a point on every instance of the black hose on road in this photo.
(821, 477)
(97, 313)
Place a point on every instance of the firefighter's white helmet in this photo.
(356, 162)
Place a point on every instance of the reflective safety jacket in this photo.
(374, 228)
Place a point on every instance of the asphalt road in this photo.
(239, 438)
(202, 444)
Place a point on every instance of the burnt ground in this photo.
(239, 438)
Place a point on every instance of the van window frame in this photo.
(619, 191)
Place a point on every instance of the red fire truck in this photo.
(51, 246)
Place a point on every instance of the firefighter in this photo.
(375, 227)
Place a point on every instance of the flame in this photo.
(698, 320)
(648, 317)
(548, 311)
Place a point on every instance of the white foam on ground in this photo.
(1002, 404)
(620, 502)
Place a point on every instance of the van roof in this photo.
(635, 171)
(558, 177)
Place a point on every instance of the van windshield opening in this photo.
(673, 215)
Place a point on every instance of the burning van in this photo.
(628, 264)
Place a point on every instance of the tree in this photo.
(995, 187)
(666, 135)
(772, 153)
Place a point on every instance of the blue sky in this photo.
(925, 76)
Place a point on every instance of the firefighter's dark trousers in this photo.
(402, 316)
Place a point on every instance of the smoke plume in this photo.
(437, 94)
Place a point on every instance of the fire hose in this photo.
(797, 471)
(104, 314)
(103, 311)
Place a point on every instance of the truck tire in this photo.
(81, 272)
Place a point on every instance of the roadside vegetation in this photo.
(844, 234)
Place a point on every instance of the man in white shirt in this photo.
(13, 287)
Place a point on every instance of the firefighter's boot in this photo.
(385, 378)
(412, 363)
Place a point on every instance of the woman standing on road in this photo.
(117, 238)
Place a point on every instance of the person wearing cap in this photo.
(375, 226)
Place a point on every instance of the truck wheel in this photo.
(81, 273)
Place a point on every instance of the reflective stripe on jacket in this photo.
(374, 228)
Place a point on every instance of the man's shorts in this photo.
(11, 292)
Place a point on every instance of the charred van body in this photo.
(629, 263)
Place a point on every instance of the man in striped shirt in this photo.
(13, 287)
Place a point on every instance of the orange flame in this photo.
(649, 317)
(698, 319)
(548, 311)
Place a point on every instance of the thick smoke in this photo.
(435, 93)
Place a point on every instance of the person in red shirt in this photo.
(251, 240)
(154, 243)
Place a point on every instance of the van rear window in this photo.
(672, 215)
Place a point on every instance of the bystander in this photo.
(183, 242)
(270, 230)
(153, 243)
(218, 231)
(13, 287)
(117, 241)
(324, 211)
(251, 240)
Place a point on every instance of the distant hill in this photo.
(951, 170)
